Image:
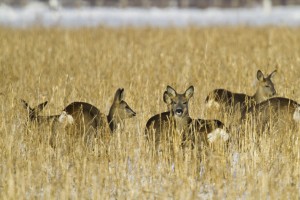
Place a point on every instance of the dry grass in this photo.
(63, 66)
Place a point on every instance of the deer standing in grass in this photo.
(45, 124)
(165, 126)
(239, 102)
(34, 113)
(35, 117)
(275, 110)
(84, 119)
(87, 119)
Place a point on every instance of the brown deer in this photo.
(35, 117)
(238, 102)
(83, 118)
(165, 126)
(87, 118)
(277, 110)
(48, 123)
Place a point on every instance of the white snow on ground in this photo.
(41, 14)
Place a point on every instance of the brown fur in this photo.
(176, 122)
(277, 110)
(88, 119)
(34, 114)
(240, 102)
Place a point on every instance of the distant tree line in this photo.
(161, 3)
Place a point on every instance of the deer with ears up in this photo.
(88, 120)
(165, 126)
(35, 117)
(44, 123)
(84, 119)
(239, 102)
(34, 113)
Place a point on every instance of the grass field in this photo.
(63, 66)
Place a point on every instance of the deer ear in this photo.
(171, 91)
(41, 106)
(119, 96)
(189, 92)
(25, 104)
(272, 74)
(260, 75)
(167, 98)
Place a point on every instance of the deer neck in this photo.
(114, 121)
(259, 96)
(181, 123)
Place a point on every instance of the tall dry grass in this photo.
(62, 66)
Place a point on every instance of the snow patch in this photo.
(44, 15)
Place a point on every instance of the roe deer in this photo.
(84, 118)
(34, 114)
(238, 101)
(46, 123)
(277, 109)
(87, 117)
(164, 126)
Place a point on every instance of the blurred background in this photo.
(116, 13)
(159, 3)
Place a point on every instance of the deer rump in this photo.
(86, 117)
(272, 112)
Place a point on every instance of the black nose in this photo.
(179, 111)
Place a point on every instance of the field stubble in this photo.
(63, 66)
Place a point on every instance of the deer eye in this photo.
(267, 86)
(184, 103)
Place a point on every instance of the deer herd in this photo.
(85, 120)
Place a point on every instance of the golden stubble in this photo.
(89, 64)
